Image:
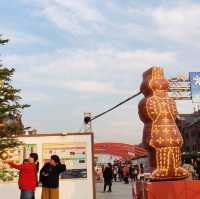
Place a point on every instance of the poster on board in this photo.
(74, 149)
(72, 154)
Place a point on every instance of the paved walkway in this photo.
(119, 191)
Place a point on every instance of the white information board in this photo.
(74, 149)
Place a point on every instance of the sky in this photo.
(82, 56)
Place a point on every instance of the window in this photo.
(186, 135)
(193, 134)
(187, 149)
(194, 147)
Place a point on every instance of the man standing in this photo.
(198, 167)
(108, 176)
(126, 174)
(49, 177)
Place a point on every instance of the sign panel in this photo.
(72, 154)
(195, 86)
(179, 85)
(179, 95)
(179, 88)
(75, 150)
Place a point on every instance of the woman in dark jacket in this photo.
(108, 176)
(49, 177)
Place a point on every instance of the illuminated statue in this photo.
(161, 136)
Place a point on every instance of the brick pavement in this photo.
(119, 191)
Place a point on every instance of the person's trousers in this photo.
(135, 177)
(109, 184)
(50, 193)
(27, 194)
(126, 180)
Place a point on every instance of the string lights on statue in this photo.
(161, 135)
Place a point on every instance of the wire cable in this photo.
(114, 107)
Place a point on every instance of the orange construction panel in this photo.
(182, 189)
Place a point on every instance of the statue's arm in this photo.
(152, 108)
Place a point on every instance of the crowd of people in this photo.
(121, 172)
(127, 173)
(48, 176)
(193, 167)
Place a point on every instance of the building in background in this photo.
(189, 125)
(110, 152)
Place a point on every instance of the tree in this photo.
(10, 108)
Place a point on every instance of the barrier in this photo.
(75, 150)
(183, 189)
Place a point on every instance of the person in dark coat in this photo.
(120, 172)
(108, 176)
(49, 177)
(198, 167)
(131, 172)
(135, 172)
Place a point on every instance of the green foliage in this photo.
(7, 142)
(10, 108)
(3, 41)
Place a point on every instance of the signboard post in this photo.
(74, 149)
(195, 86)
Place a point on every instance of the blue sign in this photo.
(195, 86)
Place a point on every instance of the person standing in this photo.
(198, 167)
(189, 167)
(141, 172)
(49, 177)
(120, 172)
(131, 172)
(108, 176)
(115, 173)
(135, 173)
(28, 176)
(126, 174)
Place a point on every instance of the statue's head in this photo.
(154, 80)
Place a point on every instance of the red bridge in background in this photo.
(124, 151)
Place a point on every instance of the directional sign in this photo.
(195, 86)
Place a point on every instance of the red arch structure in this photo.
(124, 151)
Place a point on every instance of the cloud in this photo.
(77, 17)
(175, 22)
(67, 60)
(98, 57)
(185, 107)
(35, 97)
(22, 37)
(178, 23)
(92, 86)
(88, 70)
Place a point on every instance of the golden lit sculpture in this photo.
(3, 155)
(161, 135)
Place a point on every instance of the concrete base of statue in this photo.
(182, 189)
